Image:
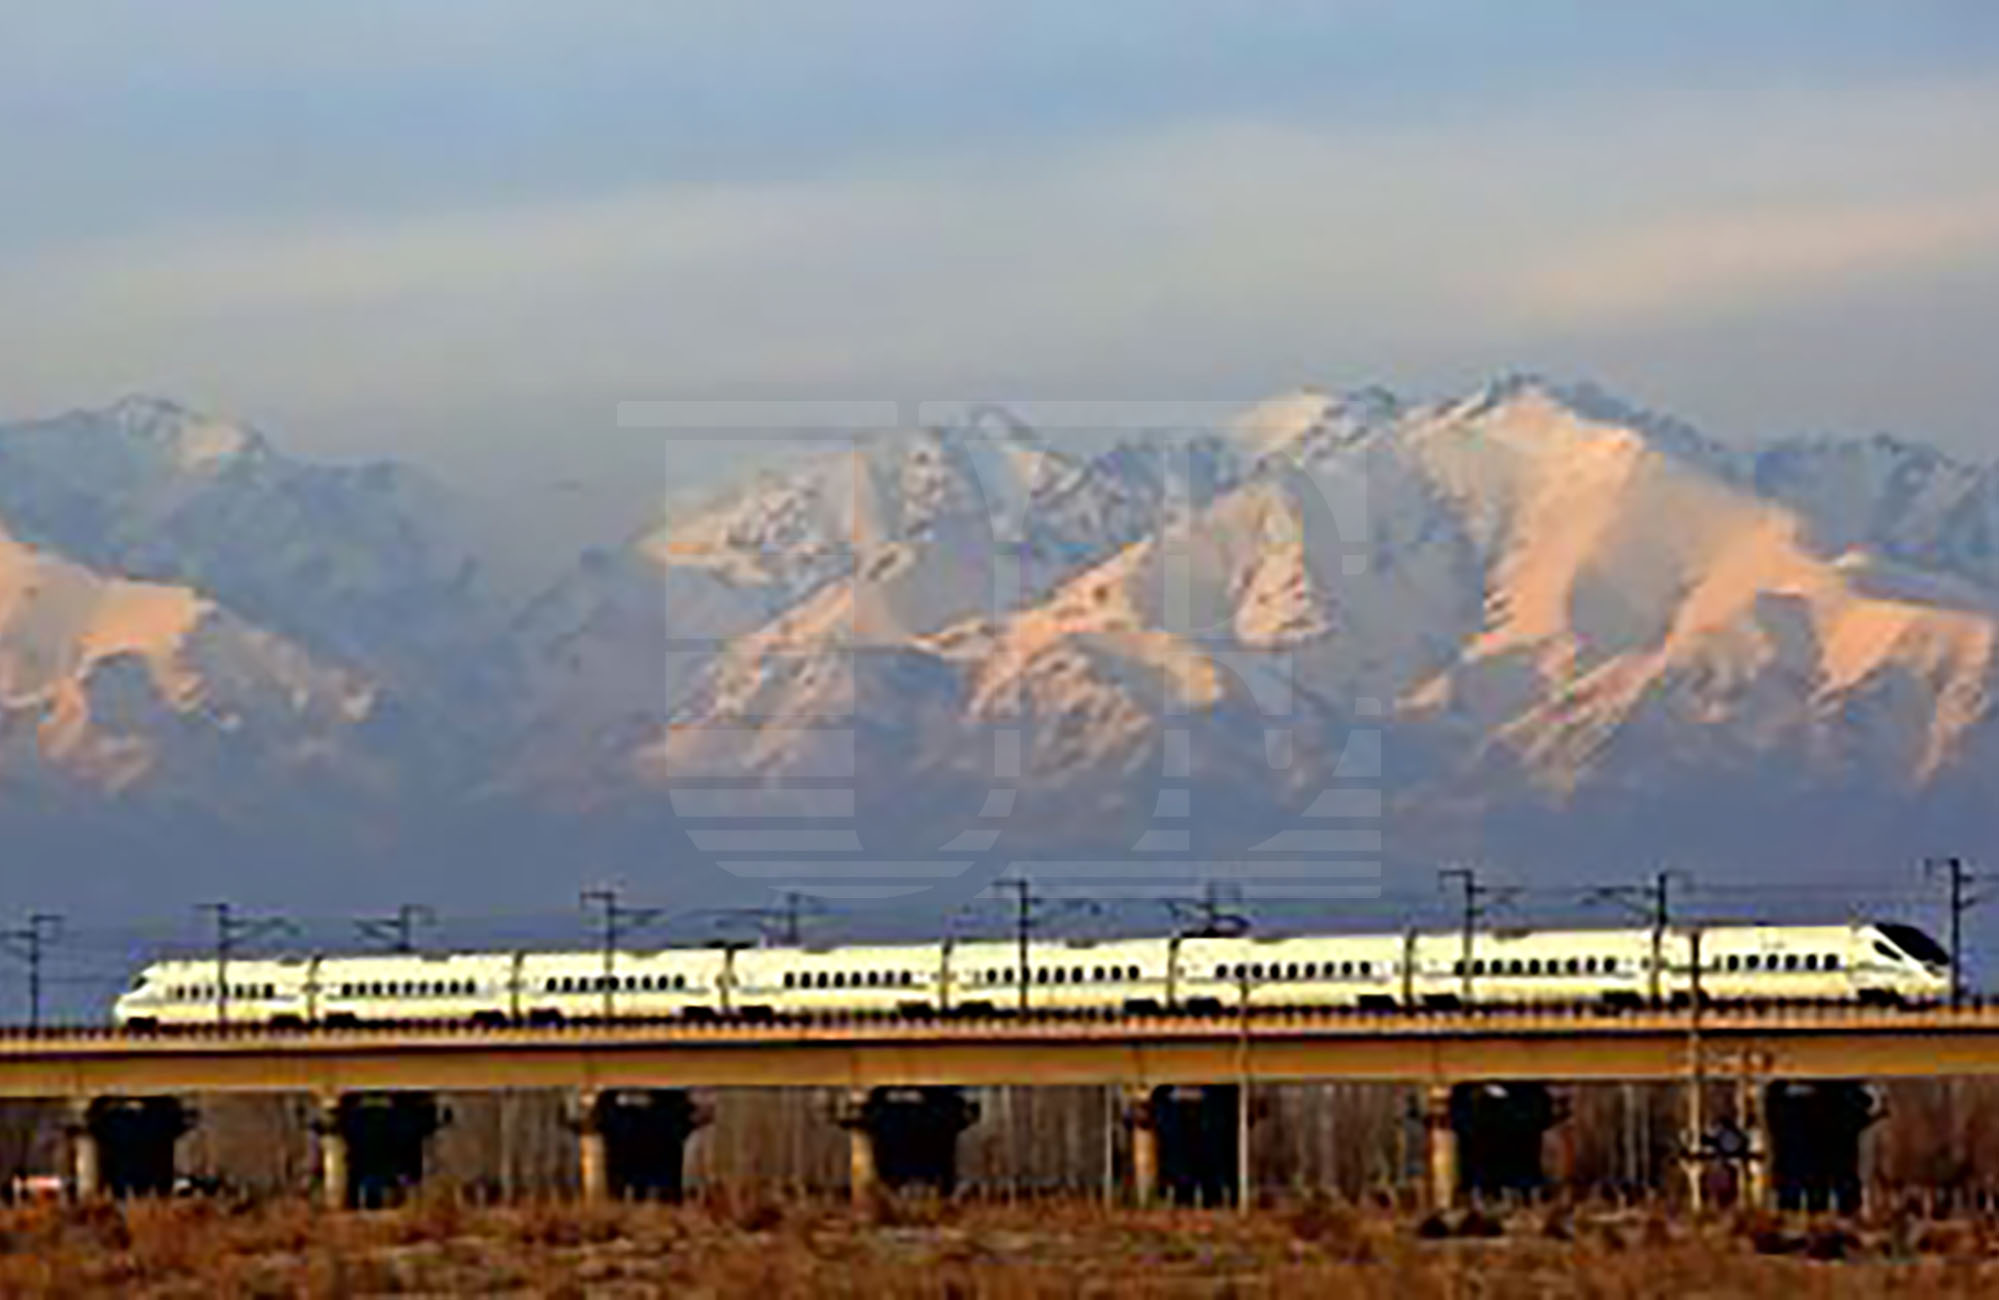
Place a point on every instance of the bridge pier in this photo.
(902, 1137)
(1499, 1129)
(371, 1145)
(1140, 1121)
(1184, 1143)
(124, 1146)
(1440, 1148)
(631, 1142)
(1812, 1142)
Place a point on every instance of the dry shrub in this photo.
(744, 1244)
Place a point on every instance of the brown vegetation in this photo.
(728, 1246)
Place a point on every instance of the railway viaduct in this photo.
(1187, 1082)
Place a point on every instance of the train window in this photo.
(1516, 967)
(791, 979)
(1610, 965)
(1790, 961)
(1811, 961)
(1575, 966)
(1346, 967)
(1534, 966)
(1366, 967)
(1256, 971)
(1041, 975)
(1458, 967)
(1221, 972)
(1831, 961)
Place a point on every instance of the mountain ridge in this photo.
(1554, 613)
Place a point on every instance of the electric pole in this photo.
(398, 932)
(1027, 918)
(787, 919)
(1654, 902)
(1204, 919)
(28, 943)
(616, 921)
(1958, 877)
(1477, 898)
(232, 932)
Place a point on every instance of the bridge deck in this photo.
(1808, 1042)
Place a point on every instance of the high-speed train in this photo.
(1867, 962)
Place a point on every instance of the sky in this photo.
(465, 230)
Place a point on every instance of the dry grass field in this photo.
(725, 1247)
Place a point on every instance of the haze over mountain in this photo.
(1529, 625)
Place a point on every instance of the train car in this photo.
(1608, 967)
(1077, 976)
(580, 985)
(262, 991)
(400, 987)
(867, 979)
(1882, 963)
(1352, 971)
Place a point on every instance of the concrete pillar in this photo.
(124, 1146)
(1752, 1119)
(592, 1151)
(334, 1190)
(372, 1146)
(863, 1171)
(1140, 1121)
(905, 1136)
(1440, 1147)
(1501, 1130)
(1195, 1131)
(86, 1161)
(1814, 1129)
(631, 1142)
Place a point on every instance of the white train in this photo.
(1884, 963)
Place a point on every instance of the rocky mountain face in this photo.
(1530, 625)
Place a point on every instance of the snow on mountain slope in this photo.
(768, 592)
(1552, 610)
(359, 564)
(1538, 592)
(107, 682)
(1902, 499)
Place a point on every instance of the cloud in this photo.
(1715, 262)
(1171, 259)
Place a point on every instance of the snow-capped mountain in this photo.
(1540, 598)
(1531, 623)
(361, 563)
(113, 686)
